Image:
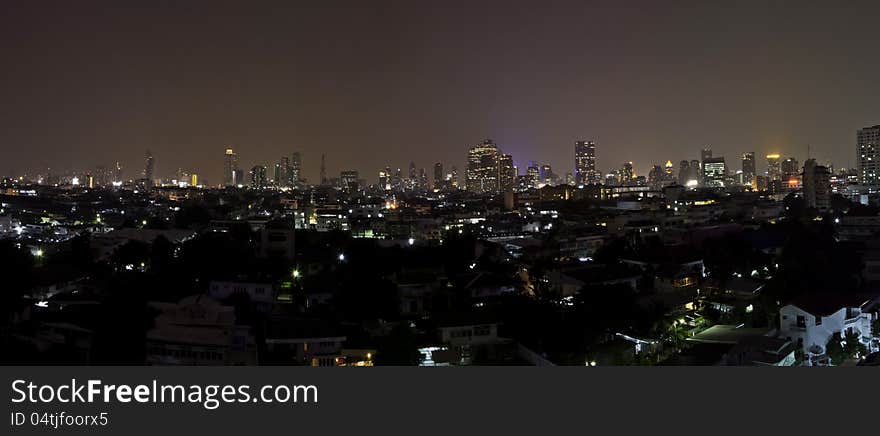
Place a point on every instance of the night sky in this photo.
(376, 83)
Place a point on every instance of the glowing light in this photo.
(411, 241)
(341, 257)
(296, 273)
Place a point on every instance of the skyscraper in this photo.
(714, 172)
(790, 169)
(817, 185)
(258, 177)
(230, 165)
(294, 175)
(748, 168)
(349, 181)
(323, 170)
(585, 163)
(506, 173)
(482, 170)
(684, 172)
(774, 172)
(626, 174)
(438, 175)
(149, 168)
(868, 157)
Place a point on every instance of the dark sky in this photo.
(375, 83)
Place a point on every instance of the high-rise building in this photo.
(349, 181)
(258, 177)
(533, 174)
(453, 177)
(439, 177)
(790, 168)
(230, 165)
(323, 170)
(482, 171)
(295, 173)
(506, 173)
(868, 157)
(585, 163)
(149, 168)
(714, 172)
(626, 174)
(279, 173)
(422, 184)
(684, 172)
(385, 179)
(748, 168)
(817, 185)
(774, 172)
(656, 177)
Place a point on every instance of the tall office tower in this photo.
(626, 174)
(790, 169)
(774, 172)
(282, 174)
(422, 184)
(506, 173)
(412, 177)
(258, 177)
(585, 163)
(230, 165)
(349, 181)
(323, 170)
(238, 177)
(748, 168)
(546, 174)
(149, 168)
(278, 173)
(439, 177)
(817, 185)
(868, 157)
(117, 175)
(533, 174)
(684, 172)
(656, 177)
(669, 170)
(482, 170)
(385, 179)
(714, 172)
(397, 181)
(453, 177)
(293, 176)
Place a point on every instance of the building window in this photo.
(818, 320)
(801, 321)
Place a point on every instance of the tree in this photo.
(834, 349)
(853, 347)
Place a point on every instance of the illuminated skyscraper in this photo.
(868, 157)
(585, 163)
(230, 166)
(774, 172)
(817, 185)
(790, 168)
(258, 177)
(748, 168)
(626, 173)
(295, 174)
(482, 170)
(438, 175)
(349, 181)
(506, 173)
(714, 172)
(149, 168)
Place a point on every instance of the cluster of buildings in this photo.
(534, 237)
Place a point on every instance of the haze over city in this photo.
(91, 83)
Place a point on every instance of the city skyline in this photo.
(271, 80)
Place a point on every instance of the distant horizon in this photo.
(92, 83)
